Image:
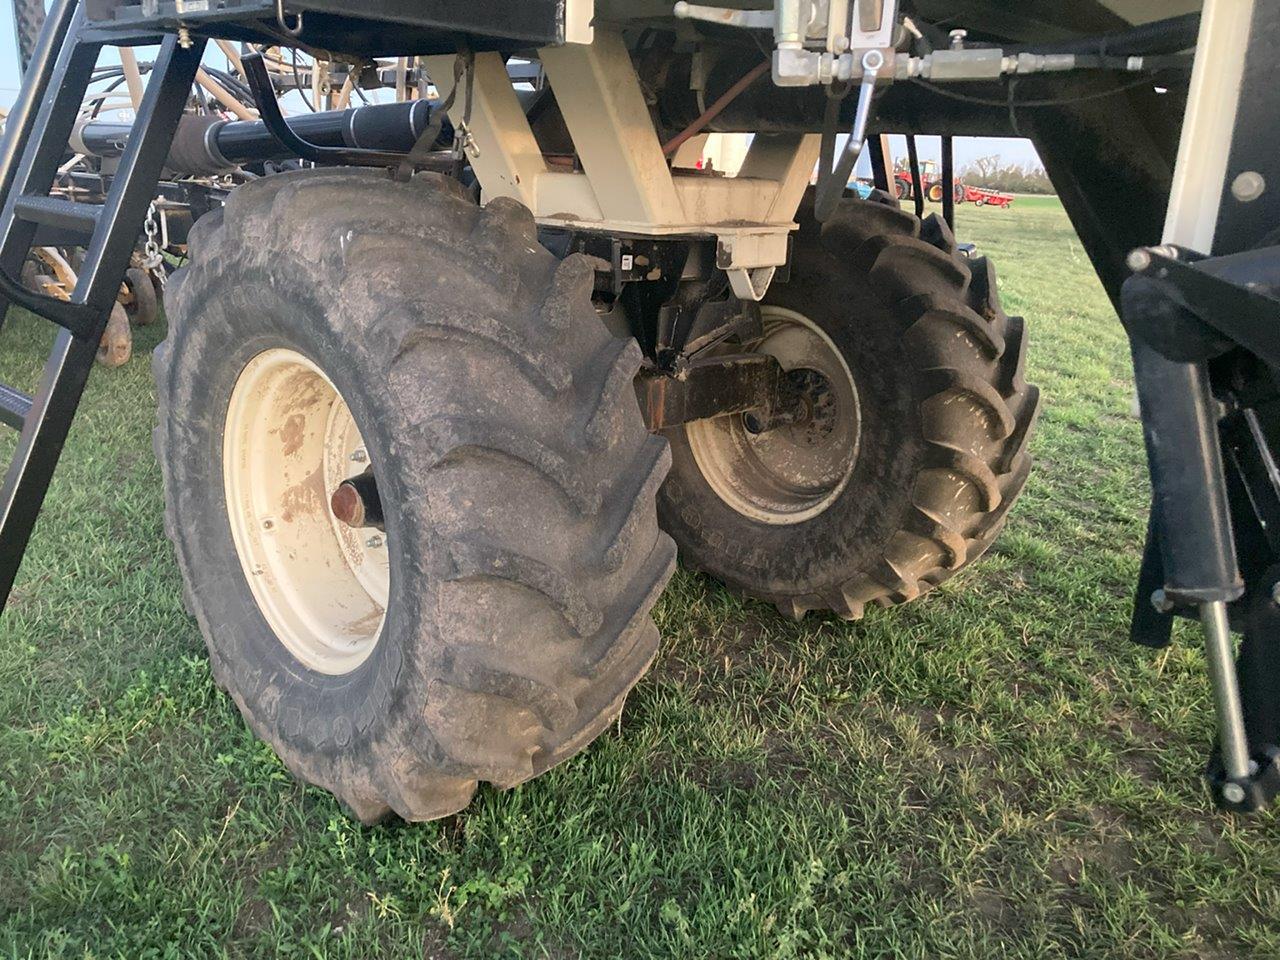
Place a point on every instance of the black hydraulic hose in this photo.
(1159, 61)
(297, 80)
(101, 96)
(1162, 36)
(237, 87)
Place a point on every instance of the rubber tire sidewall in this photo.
(326, 716)
(850, 535)
(146, 302)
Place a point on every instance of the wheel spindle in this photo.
(356, 502)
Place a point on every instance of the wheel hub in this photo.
(289, 445)
(357, 502)
(806, 400)
(790, 466)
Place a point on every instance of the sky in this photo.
(8, 57)
(967, 149)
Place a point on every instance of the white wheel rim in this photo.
(290, 441)
(794, 473)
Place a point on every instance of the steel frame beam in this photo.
(626, 186)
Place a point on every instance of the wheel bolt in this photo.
(374, 542)
(359, 457)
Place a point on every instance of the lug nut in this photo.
(374, 542)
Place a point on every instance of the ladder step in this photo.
(79, 218)
(14, 407)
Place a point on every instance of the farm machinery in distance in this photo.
(923, 179)
(219, 145)
(982, 197)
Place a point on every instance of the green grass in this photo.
(991, 772)
(1029, 201)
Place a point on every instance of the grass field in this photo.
(993, 772)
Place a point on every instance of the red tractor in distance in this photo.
(930, 184)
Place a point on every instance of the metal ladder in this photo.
(35, 144)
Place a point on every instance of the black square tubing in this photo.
(77, 317)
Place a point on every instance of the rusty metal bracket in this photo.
(711, 387)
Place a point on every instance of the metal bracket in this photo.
(710, 387)
(264, 98)
(725, 17)
(1232, 294)
(751, 285)
(750, 259)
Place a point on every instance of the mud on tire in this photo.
(946, 417)
(514, 467)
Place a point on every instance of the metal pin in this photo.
(1226, 692)
(1248, 186)
(1161, 602)
(1138, 260)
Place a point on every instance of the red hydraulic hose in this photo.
(713, 111)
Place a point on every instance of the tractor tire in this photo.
(904, 189)
(28, 20)
(334, 320)
(934, 193)
(115, 349)
(917, 444)
(31, 275)
(144, 306)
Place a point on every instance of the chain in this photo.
(153, 256)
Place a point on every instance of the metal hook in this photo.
(296, 29)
